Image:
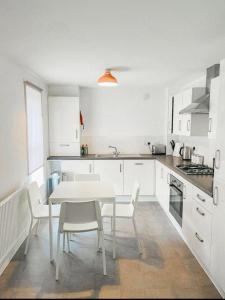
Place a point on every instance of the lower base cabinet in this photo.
(71, 167)
(142, 171)
(162, 185)
(112, 171)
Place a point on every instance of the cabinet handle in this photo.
(188, 125)
(200, 198)
(210, 124)
(139, 164)
(90, 168)
(120, 168)
(64, 145)
(198, 237)
(184, 192)
(216, 196)
(217, 159)
(168, 178)
(200, 212)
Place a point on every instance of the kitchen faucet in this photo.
(115, 152)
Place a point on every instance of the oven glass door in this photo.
(176, 203)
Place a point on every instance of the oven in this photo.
(176, 199)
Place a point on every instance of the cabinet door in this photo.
(72, 167)
(177, 124)
(111, 171)
(158, 180)
(217, 262)
(220, 140)
(170, 115)
(187, 220)
(64, 119)
(214, 96)
(142, 171)
(186, 118)
(165, 188)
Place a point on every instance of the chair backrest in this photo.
(34, 197)
(135, 193)
(80, 213)
(87, 177)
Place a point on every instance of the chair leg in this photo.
(37, 226)
(57, 257)
(68, 241)
(136, 234)
(28, 238)
(64, 242)
(103, 253)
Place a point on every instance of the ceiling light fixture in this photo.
(107, 79)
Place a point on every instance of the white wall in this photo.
(13, 147)
(124, 117)
(63, 90)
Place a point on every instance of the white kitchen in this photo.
(112, 160)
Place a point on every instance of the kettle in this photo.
(185, 152)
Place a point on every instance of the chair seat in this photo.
(42, 211)
(122, 210)
(69, 227)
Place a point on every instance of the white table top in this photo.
(82, 190)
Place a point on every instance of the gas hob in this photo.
(194, 169)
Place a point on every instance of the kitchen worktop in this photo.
(203, 182)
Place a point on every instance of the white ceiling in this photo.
(149, 42)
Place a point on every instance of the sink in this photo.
(109, 156)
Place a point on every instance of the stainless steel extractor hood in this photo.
(201, 105)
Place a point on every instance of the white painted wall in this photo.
(124, 117)
(13, 147)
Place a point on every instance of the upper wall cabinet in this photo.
(213, 107)
(64, 126)
(189, 124)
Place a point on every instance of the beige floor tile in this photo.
(109, 292)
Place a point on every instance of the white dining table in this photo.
(82, 191)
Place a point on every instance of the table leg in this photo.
(114, 229)
(50, 232)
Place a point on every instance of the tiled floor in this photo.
(167, 269)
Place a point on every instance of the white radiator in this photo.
(14, 224)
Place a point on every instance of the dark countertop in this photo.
(203, 182)
(102, 157)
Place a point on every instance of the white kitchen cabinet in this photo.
(112, 171)
(142, 171)
(187, 220)
(213, 107)
(177, 118)
(220, 140)
(64, 126)
(162, 185)
(72, 167)
(170, 115)
(189, 124)
(217, 262)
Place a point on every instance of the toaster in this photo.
(158, 149)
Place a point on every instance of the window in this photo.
(34, 133)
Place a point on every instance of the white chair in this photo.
(38, 210)
(125, 211)
(87, 177)
(77, 217)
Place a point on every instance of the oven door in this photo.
(176, 203)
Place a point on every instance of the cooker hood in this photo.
(201, 105)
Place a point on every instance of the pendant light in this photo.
(107, 79)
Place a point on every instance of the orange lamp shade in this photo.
(107, 79)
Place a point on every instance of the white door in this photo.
(214, 96)
(64, 120)
(111, 171)
(72, 167)
(177, 121)
(142, 171)
(186, 118)
(220, 132)
(217, 262)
